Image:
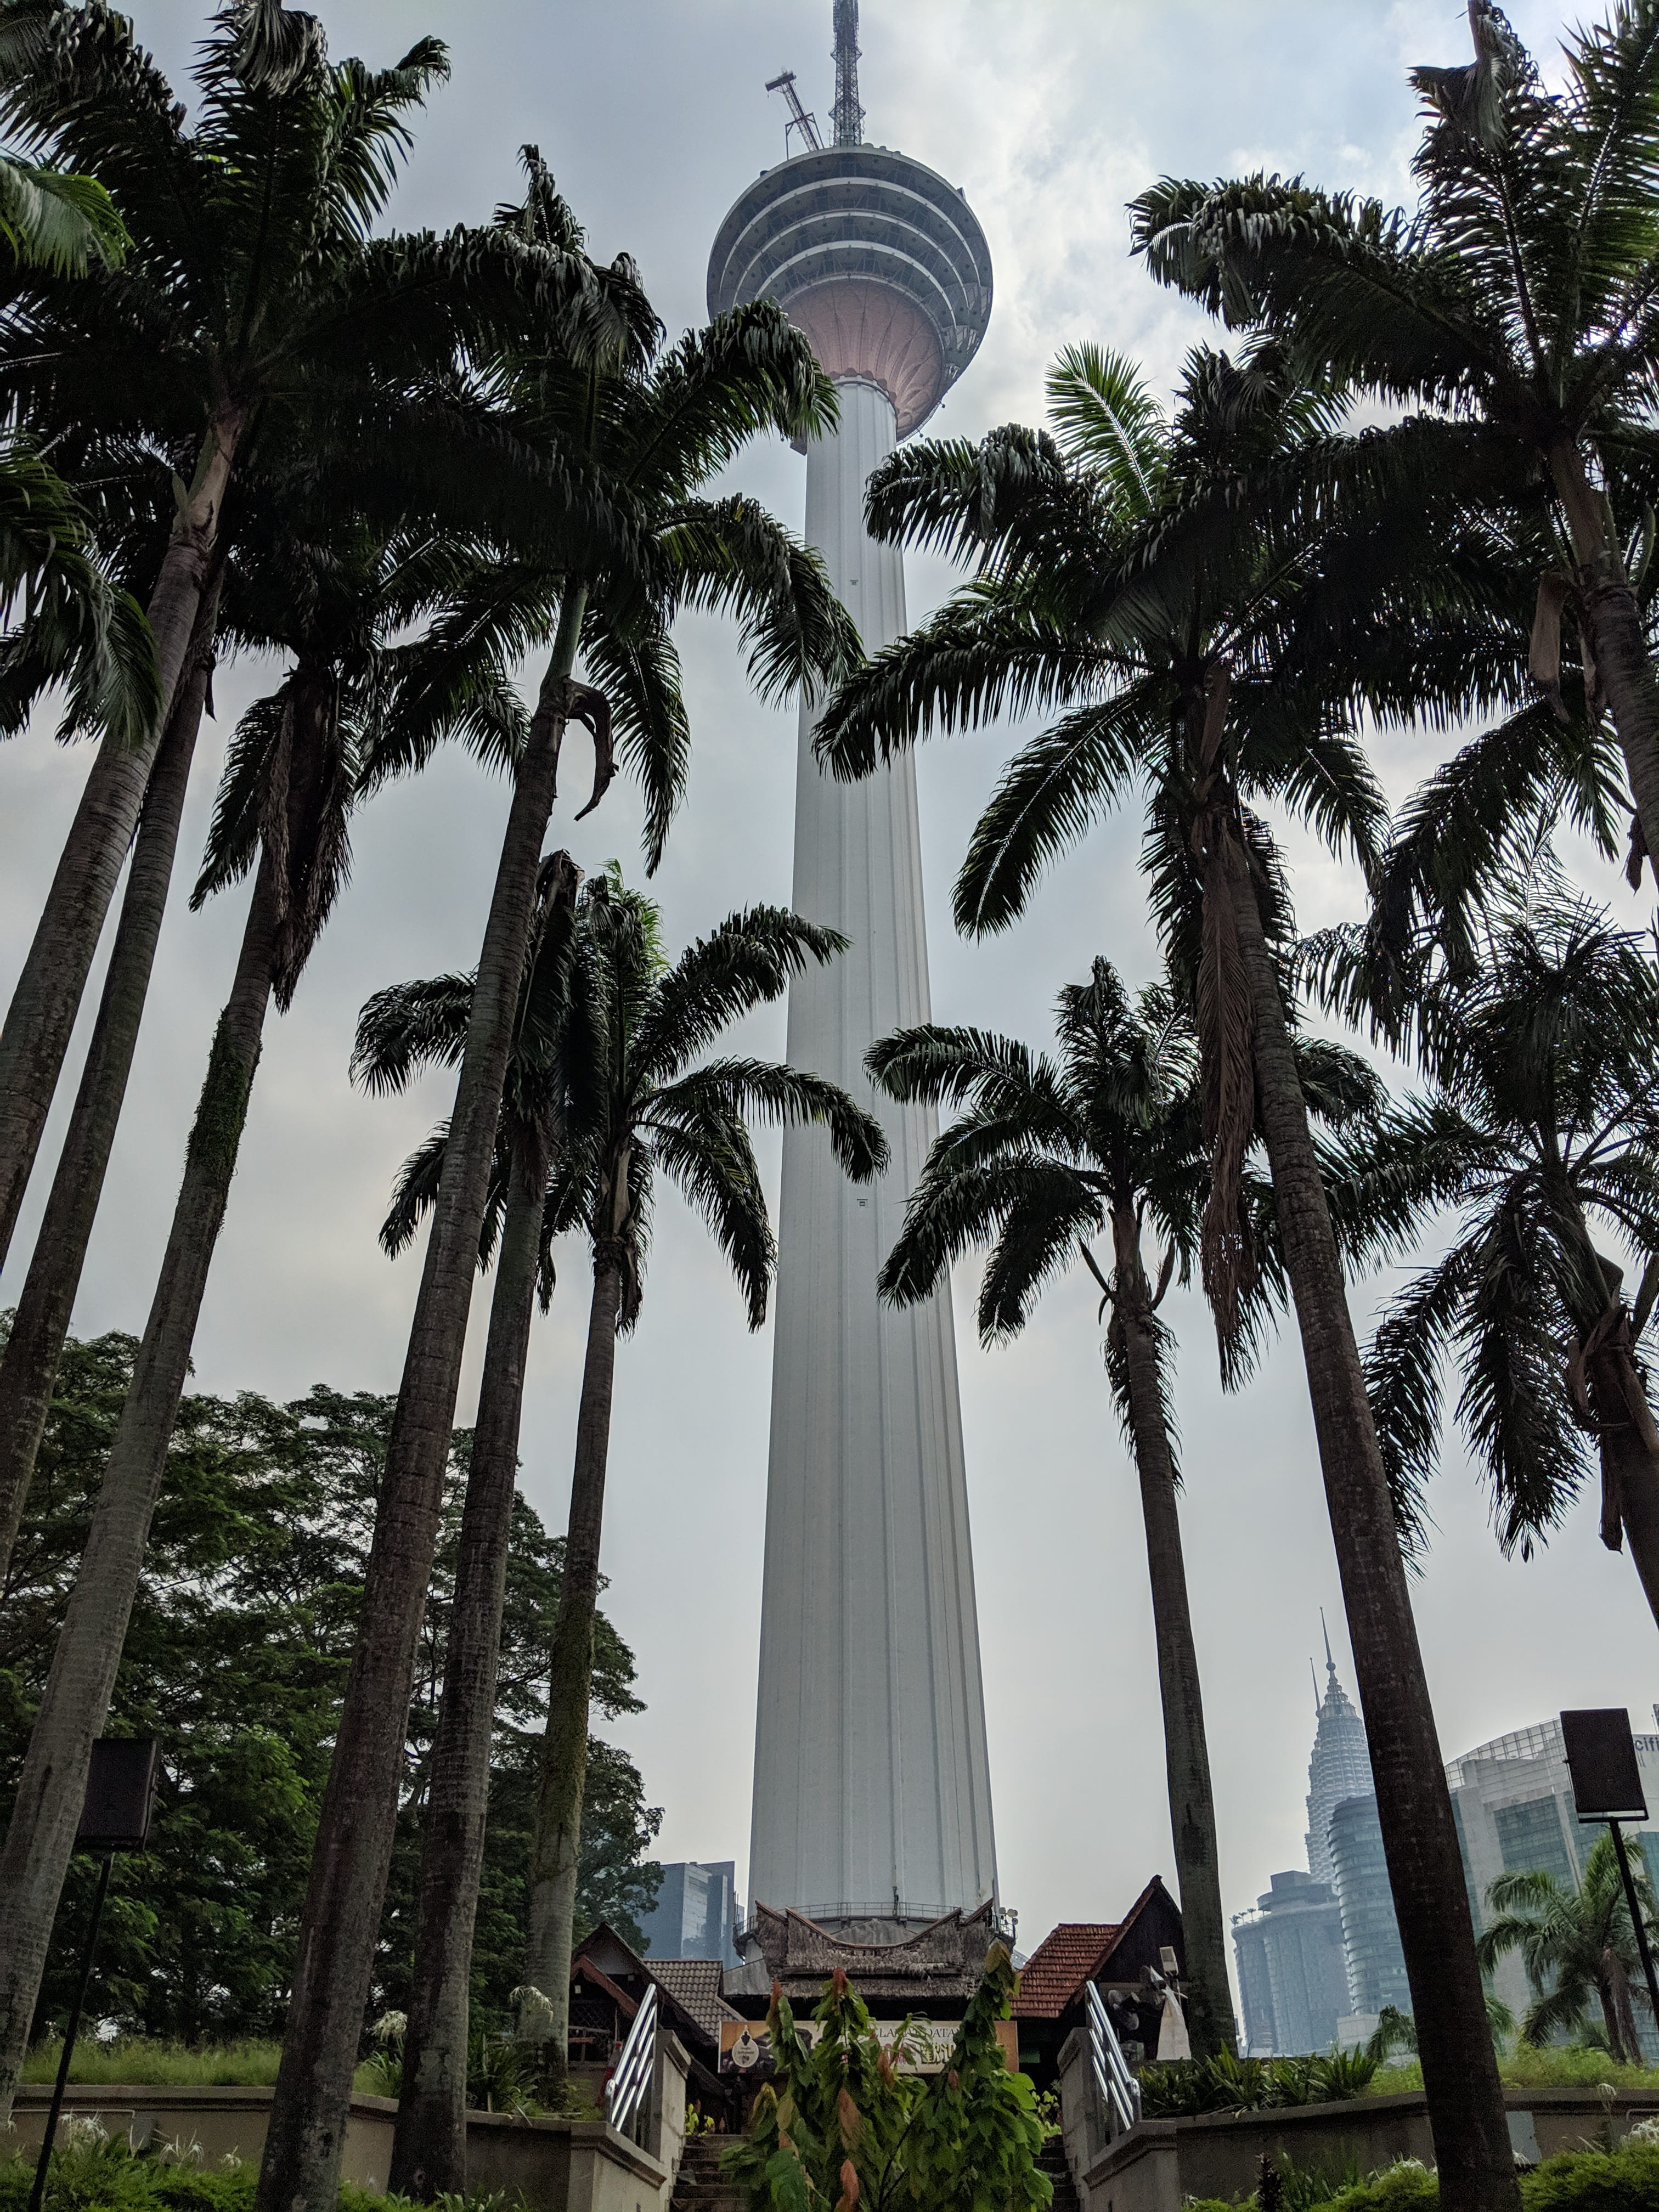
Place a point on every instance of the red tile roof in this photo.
(1061, 1965)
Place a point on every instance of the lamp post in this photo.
(114, 1817)
(1606, 1786)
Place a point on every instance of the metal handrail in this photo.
(1114, 2082)
(628, 2084)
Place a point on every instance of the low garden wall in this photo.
(1159, 2164)
(554, 2165)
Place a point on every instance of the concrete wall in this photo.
(1160, 2164)
(556, 2165)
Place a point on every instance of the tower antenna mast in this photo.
(798, 118)
(849, 115)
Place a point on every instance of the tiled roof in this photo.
(1060, 1965)
(694, 1985)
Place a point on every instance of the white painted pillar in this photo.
(871, 1783)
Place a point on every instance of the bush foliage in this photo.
(842, 2125)
(235, 1660)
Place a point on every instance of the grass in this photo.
(1529, 2068)
(148, 2061)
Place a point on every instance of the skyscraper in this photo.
(1291, 1973)
(1340, 1767)
(872, 1799)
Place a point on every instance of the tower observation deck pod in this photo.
(878, 260)
(872, 1799)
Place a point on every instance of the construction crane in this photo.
(798, 118)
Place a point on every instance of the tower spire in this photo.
(1326, 1632)
(848, 116)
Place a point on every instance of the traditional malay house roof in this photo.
(608, 1983)
(932, 1973)
(1118, 1957)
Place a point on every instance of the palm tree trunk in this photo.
(1186, 1753)
(1620, 2012)
(1623, 663)
(428, 2150)
(47, 995)
(556, 1839)
(1629, 1444)
(29, 1365)
(300, 2172)
(83, 1667)
(1459, 2068)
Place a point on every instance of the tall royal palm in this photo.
(1517, 305)
(403, 1030)
(1046, 1153)
(294, 771)
(1208, 649)
(254, 314)
(646, 433)
(1044, 1157)
(1541, 1133)
(644, 1101)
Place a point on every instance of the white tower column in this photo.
(872, 1785)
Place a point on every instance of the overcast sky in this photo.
(654, 115)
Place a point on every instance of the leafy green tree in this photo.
(842, 2126)
(643, 1100)
(1515, 307)
(647, 434)
(1540, 1136)
(235, 1660)
(403, 1030)
(1046, 1154)
(1209, 625)
(1578, 1948)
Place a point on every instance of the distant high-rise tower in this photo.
(1340, 1767)
(873, 1795)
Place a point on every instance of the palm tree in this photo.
(1046, 1153)
(403, 1030)
(76, 627)
(1045, 1156)
(292, 775)
(1541, 1122)
(254, 316)
(650, 432)
(1517, 307)
(28, 1362)
(1207, 642)
(1577, 1945)
(643, 1100)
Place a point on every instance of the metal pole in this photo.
(1636, 1922)
(38, 2193)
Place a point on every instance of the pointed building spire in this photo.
(1330, 1662)
(848, 115)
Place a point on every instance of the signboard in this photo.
(747, 2045)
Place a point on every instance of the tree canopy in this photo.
(236, 1660)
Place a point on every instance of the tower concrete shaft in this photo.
(871, 1783)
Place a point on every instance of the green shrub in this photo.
(96, 2174)
(1407, 2187)
(1624, 2180)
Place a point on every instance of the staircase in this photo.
(700, 2186)
(1052, 2163)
